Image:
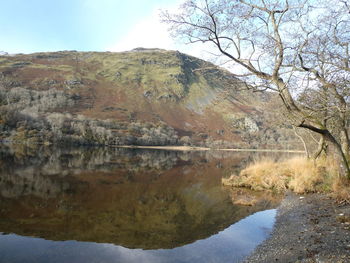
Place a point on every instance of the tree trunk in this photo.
(303, 141)
(320, 148)
(344, 139)
(335, 147)
(339, 155)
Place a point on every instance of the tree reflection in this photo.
(134, 198)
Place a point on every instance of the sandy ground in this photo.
(309, 228)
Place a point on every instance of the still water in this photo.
(119, 205)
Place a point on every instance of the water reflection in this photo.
(230, 245)
(158, 201)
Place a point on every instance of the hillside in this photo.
(143, 97)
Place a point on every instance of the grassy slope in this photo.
(145, 85)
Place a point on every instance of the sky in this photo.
(29, 26)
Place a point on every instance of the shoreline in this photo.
(195, 148)
(308, 228)
(166, 147)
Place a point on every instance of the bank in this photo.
(308, 228)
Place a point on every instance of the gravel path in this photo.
(309, 228)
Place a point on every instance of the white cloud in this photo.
(147, 33)
(150, 32)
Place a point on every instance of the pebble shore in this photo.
(309, 228)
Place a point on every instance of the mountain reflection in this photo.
(133, 198)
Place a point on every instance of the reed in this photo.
(298, 174)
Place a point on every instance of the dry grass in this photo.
(298, 174)
(341, 190)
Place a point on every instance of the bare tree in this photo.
(297, 48)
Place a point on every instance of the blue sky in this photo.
(28, 26)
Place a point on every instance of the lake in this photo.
(124, 205)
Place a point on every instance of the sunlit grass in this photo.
(298, 174)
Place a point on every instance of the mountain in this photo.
(142, 97)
